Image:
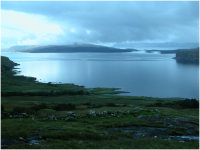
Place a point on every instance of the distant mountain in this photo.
(67, 48)
(18, 47)
(157, 46)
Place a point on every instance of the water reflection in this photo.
(187, 62)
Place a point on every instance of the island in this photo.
(188, 55)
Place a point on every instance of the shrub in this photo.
(159, 104)
(87, 103)
(80, 92)
(63, 107)
(49, 83)
(18, 110)
(187, 103)
(111, 105)
(40, 106)
(30, 111)
(174, 132)
(95, 106)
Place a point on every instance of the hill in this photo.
(188, 55)
(67, 49)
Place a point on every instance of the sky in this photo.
(98, 22)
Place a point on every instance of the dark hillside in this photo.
(192, 55)
(67, 49)
(6, 67)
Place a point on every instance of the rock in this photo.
(126, 112)
(146, 117)
(52, 117)
(104, 113)
(15, 116)
(110, 112)
(23, 114)
(70, 113)
(140, 117)
(171, 126)
(112, 115)
(132, 112)
(69, 118)
(157, 115)
(99, 113)
(91, 113)
(156, 110)
(21, 139)
(119, 112)
(79, 115)
(137, 109)
(120, 115)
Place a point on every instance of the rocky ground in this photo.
(177, 128)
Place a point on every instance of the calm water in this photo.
(141, 74)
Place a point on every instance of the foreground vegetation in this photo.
(56, 116)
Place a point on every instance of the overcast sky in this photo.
(107, 23)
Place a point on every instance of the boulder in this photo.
(119, 112)
(156, 110)
(23, 115)
(98, 113)
(110, 112)
(70, 113)
(69, 118)
(120, 115)
(137, 109)
(132, 112)
(52, 117)
(91, 113)
(126, 112)
(21, 139)
(113, 115)
(78, 115)
(105, 113)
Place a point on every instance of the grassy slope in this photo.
(10, 83)
(84, 132)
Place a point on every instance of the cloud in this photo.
(28, 29)
(108, 22)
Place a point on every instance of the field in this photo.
(67, 116)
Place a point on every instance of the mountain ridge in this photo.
(66, 48)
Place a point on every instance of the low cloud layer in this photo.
(65, 22)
